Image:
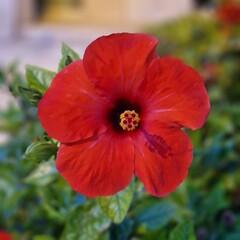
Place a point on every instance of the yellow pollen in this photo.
(129, 120)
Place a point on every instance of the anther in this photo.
(129, 120)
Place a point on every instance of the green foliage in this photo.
(233, 236)
(156, 216)
(183, 231)
(84, 224)
(42, 175)
(189, 38)
(43, 237)
(31, 95)
(38, 79)
(116, 207)
(68, 56)
(121, 231)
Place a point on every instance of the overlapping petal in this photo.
(174, 93)
(116, 63)
(162, 159)
(98, 167)
(70, 110)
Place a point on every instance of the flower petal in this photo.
(174, 92)
(100, 167)
(116, 63)
(162, 160)
(5, 235)
(70, 110)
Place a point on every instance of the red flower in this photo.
(229, 12)
(119, 112)
(5, 236)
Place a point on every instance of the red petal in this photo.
(5, 235)
(116, 63)
(100, 167)
(70, 110)
(162, 160)
(174, 92)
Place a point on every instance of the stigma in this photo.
(129, 120)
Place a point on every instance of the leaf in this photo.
(42, 175)
(232, 236)
(116, 207)
(156, 216)
(121, 231)
(38, 78)
(31, 95)
(68, 56)
(84, 224)
(215, 201)
(183, 231)
(43, 237)
(52, 212)
(2, 77)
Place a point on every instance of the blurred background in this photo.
(35, 203)
(41, 25)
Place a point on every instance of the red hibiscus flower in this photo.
(229, 12)
(5, 236)
(119, 112)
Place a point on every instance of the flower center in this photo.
(129, 120)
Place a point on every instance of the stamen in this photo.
(129, 120)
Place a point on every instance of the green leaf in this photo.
(214, 201)
(43, 237)
(121, 231)
(116, 207)
(85, 224)
(52, 212)
(183, 231)
(38, 78)
(2, 77)
(41, 151)
(31, 95)
(68, 60)
(43, 174)
(156, 216)
(232, 236)
(68, 56)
